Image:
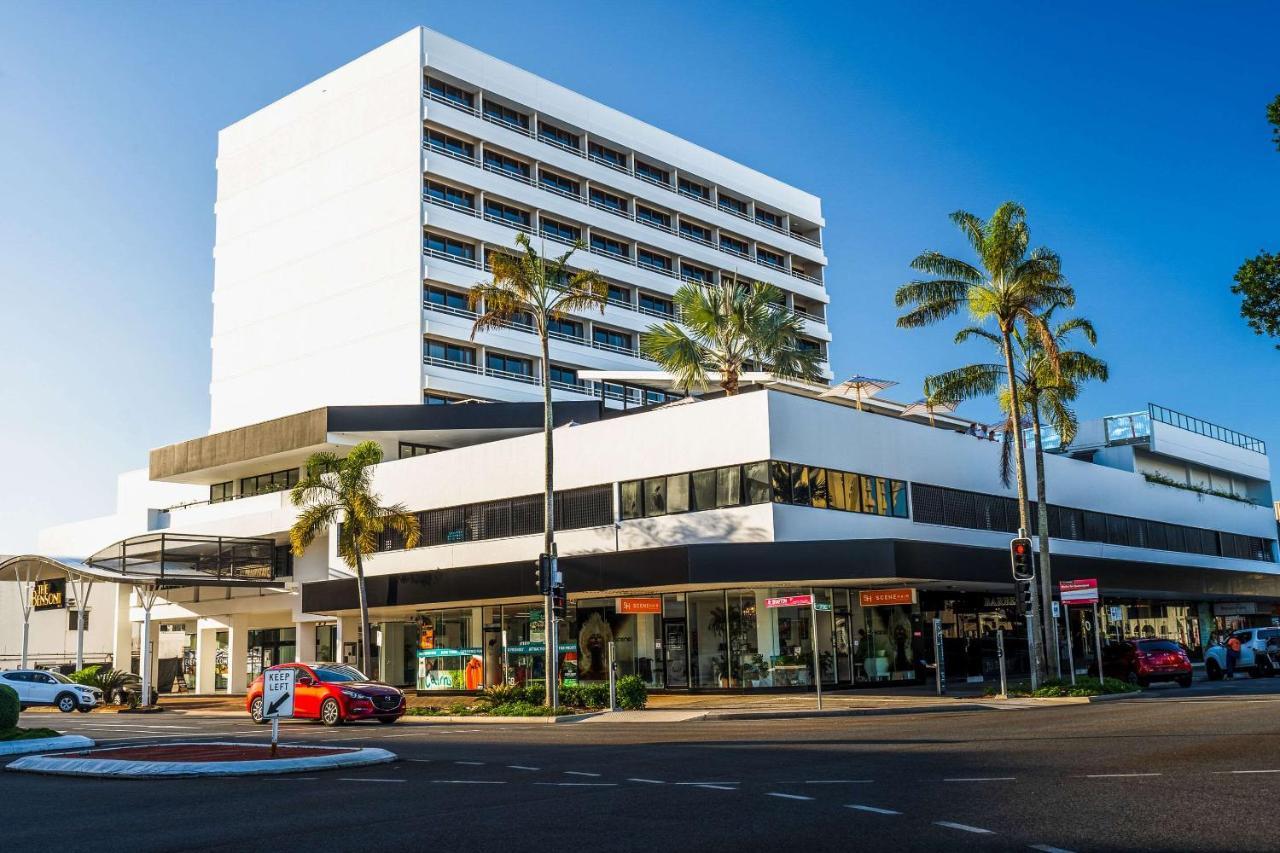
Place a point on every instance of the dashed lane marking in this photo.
(838, 781)
(470, 763)
(788, 796)
(1049, 848)
(1242, 772)
(707, 783)
(982, 779)
(963, 827)
(521, 767)
(1120, 775)
(465, 782)
(355, 779)
(580, 773)
(579, 784)
(718, 787)
(872, 809)
(648, 781)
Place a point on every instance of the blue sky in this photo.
(1134, 134)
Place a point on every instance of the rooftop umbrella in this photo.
(859, 387)
(924, 407)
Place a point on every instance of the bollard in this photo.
(1004, 683)
(613, 677)
(939, 672)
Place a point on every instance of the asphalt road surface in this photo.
(1171, 770)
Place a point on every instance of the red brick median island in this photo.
(205, 752)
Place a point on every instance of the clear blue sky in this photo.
(1134, 133)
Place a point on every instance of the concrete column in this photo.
(237, 653)
(154, 640)
(305, 641)
(348, 632)
(206, 655)
(122, 635)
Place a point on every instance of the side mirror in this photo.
(307, 681)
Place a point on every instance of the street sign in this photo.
(277, 692)
(822, 607)
(1057, 610)
(1115, 613)
(1079, 591)
(789, 601)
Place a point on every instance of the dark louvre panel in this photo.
(1177, 537)
(1157, 535)
(526, 515)
(1137, 532)
(589, 507)
(1117, 530)
(1072, 524)
(960, 509)
(1095, 527)
(989, 511)
(495, 519)
(926, 504)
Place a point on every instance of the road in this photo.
(1170, 770)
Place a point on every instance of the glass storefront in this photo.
(268, 647)
(449, 656)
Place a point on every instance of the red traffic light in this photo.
(1020, 556)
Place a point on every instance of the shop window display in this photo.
(446, 658)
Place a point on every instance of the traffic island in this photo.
(52, 741)
(176, 760)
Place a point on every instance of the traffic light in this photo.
(559, 601)
(545, 573)
(1020, 555)
(1026, 596)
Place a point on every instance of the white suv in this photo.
(38, 687)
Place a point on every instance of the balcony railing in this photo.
(448, 309)
(550, 140)
(448, 102)
(507, 173)
(526, 378)
(510, 223)
(609, 164)
(433, 361)
(452, 205)
(509, 125)
(448, 152)
(448, 256)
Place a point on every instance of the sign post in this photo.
(277, 698)
(1097, 642)
(811, 602)
(1004, 683)
(613, 677)
(1071, 661)
(1085, 592)
(938, 662)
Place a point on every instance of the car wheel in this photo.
(255, 711)
(1184, 681)
(386, 721)
(66, 703)
(1212, 671)
(330, 712)
(1133, 679)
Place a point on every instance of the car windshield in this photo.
(62, 678)
(1159, 646)
(1269, 634)
(338, 673)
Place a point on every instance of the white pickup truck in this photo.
(1259, 654)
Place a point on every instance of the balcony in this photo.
(449, 256)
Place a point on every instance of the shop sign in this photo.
(639, 605)
(535, 648)
(789, 601)
(823, 607)
(448, 653)
(49, 595)
(1079, 591)
(886, 597)
(1116, 613)
(1239, 608)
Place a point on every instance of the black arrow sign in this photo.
(275, 706)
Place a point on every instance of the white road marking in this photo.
(1243, 772)
(872, 809)
(294, 778)
(354, 779)
(468, 763)
(648, 781)
(1048, 848)
(982, 779)
(418, 760)
(464, 782)
(838, 781)
(708, 783)
(718, 787)
(579, 784)
(787, 796)
(579, 773)
(520, 767)
(1120, 775)
(963, 827)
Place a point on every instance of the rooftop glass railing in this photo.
(1205, 428)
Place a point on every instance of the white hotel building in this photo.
(352, 217)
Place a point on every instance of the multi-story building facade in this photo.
(355, 214)
(353, 217)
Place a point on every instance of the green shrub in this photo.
(632, 694)
(9, 707)
(592, 695)
(526, 709)
(106, 679)
(505, 694)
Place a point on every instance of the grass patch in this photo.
(505, 709)
(1055, 688)
(27, 734)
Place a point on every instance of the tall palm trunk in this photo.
(1020, 468)
(1045, 575)
(549, 522)
(366, 636)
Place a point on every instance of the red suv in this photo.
(333, 693)
(1144, 661)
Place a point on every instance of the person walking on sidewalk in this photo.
(1233, 655)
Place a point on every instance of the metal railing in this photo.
(433, 361)
(509, 125)
(449, 152)
(449, 309)
(510, 223)
(452, 205)
(449, 102)
(1207, 429)
(447, 256)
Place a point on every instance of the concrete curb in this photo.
(1079, 700)
(44, 744)
(840, 712)
(58, 765)
(490, 721)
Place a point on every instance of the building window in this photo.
(502, 163)
(429, 399)
(451, 93)
(653, 174)
(733, 205)
(565, 328)
(559, 183)
(450, 195)
(695, 232)
(609, 246)
(220, 492)
(600, 198)
(772, 259)
(734, 246)
(409, 450)
(559, 230)
(646, 258)
(678, 493)
(505, 115)
(650, 216)
(451, 144)
(608, 155)
(610, 338)
(765, 217)
(506, 213)
(657, 305)
(71, 620)
(447, 298)
(694, 189)
(704, 489)
(564, 375)
(508, 363)
(455, 353)
(655, 496)
(282, 562)
(617, 293)
(557, 135)
(632, 502)
(449, 246)
(689, 271)
(263, 484)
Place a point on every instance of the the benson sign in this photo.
(49, 595)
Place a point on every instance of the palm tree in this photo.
(1010, 286)
(338, 490)
(539, 290)
(1048, 392)
(728, 327)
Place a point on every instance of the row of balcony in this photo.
(614, 204)
(610, 156)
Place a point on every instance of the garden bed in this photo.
(1055, 688)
